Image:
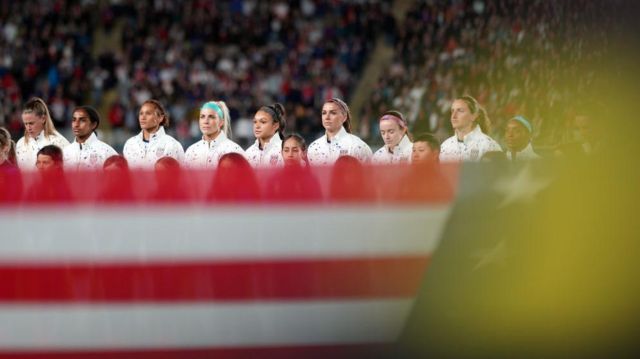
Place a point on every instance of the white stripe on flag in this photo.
(191, 232)
(193, 325)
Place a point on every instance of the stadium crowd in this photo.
(532, 58)
(271, 67)
(246, 53)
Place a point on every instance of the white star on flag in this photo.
(524, 186)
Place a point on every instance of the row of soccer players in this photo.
(469, 120)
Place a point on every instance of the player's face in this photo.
(332, 117)
(391, 132)
(33, 124)
(461, 116)
(149, 117)
(4, 153)
(516, 136)
(264, 127)
(422, 153)
(292, 153)
(81, 125)
(45, 162)
(210, 122)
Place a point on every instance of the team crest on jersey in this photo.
(159, 151)
(93, 158)
(274, 159)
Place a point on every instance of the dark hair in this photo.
(482, 118)
(235, 181)
(119, 160)
(345, 109)
(170, 162)
(93, 114)
(161, 111)
(296, 137)
(5, 139)
(39, 108)
(278, 115)
(52, 151)
(429, 139)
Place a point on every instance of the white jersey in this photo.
(401, 153)
(89, 155)
(323, 152)
(269, 156)
(144, 154)
(205, 154)
(526, 154)
(472, 147)
(27, 153)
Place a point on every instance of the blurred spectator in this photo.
(515, 56)
(183, 53)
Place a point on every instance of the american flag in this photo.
(188, 276)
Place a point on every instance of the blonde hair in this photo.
(38, 107)
(5, 140)
(226, 118)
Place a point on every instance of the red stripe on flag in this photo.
(317, 351)
(238, 280)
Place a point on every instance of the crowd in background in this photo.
(532, 58)
(514, 56)
(247, 53)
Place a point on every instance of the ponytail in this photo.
(482, 118)
(279, 116)
(225, 117)
(161, 111)
(345, 110)
(38, 107)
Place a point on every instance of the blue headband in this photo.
(523, 121)
(213, 106)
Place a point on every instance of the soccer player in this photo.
(426, 148)
(294, 182)
(268, 127)
(337, 140)
(86, 152)
(517, 136)
(10, 177)
(39, 132)
(152, 143)
(397, 144)
(471, 125)
(215, 126)
(51, 185)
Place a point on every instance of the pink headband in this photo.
(397, 119)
